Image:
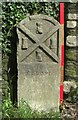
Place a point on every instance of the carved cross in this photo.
(38, 43)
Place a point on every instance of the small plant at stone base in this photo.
(6, 106)
(24, 111)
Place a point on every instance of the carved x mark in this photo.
(38, 43)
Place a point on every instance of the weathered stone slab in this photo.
(71, 24)
(72, 16)
(68, 85)
(39, 51)
(71, 41)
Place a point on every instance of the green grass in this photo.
(24, 111)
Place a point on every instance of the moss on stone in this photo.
(70, 72)
(71, 54)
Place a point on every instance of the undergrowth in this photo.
(24, 111)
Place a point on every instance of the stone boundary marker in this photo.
(71, 42)
(39, 56)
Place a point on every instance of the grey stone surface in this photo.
(71, 41)
(71, 24)
(39, 62)
(68, 85)
(72, 16)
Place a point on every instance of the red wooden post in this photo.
(62, 52)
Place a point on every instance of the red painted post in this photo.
(62, 53)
